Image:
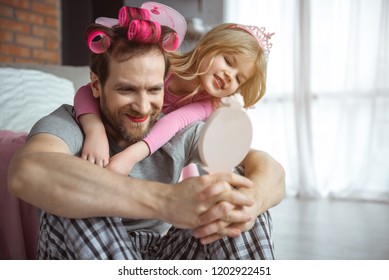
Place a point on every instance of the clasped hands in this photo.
(214, 206)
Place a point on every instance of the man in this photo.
(213, 216)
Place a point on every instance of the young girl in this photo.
(230, 58)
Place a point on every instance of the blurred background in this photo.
(325, 115)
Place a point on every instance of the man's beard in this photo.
(118, 124)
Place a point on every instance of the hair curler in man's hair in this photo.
(144, 31)
(170, 41)
(98, 41)
(126, 14)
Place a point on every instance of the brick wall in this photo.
(30, 31)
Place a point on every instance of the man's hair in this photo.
(120, 49)
(227, 40)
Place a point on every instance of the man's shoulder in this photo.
(196, 128)
(61, 123)
(191, 131)
(65, 109)
(64, 113)
(186, 142)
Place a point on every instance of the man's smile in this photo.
(138, 119)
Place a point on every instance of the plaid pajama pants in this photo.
(106, 238)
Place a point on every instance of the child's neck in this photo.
(181, 87)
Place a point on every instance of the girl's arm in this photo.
(85, 103)
(96, 148)
(167, 126)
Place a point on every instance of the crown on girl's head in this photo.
(259, 34)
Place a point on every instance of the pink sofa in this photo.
(19, 220)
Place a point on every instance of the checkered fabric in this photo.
(106, 238)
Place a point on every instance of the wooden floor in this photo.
(330, 230)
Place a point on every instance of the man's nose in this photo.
(142, 104)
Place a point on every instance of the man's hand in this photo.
(212, 195)
(238, 219)
(268, 178)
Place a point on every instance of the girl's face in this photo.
(226, 74)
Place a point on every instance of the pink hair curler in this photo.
(98, 42)
(123, 16)
(167, 16)
(171, 42)
(127, 13)
(144, 31)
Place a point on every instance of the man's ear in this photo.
(95, 85)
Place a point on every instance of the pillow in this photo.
(28, 95)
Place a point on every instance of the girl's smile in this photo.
(219, 82)
(224, 73)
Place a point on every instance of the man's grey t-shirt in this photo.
(163, 166)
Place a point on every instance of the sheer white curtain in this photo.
(325, 115)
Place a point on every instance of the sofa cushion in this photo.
(27, 95)
(79, 75)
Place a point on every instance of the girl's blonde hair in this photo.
(225, 39)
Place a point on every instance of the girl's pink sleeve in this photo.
(167, 126)
(85, 103)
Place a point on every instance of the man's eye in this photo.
(156, 91)
(125, 89)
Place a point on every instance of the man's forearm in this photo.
(44, 174)
(268, 177)
(63, 185)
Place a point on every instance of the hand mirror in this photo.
(225, 139)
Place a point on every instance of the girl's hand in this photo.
(96, 146)
(120, 164)
(96, 149)
(124, 161)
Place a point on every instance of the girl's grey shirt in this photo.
(163, 166)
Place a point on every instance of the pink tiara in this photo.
(259, 34)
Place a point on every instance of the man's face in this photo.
(132, 97)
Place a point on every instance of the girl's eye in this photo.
(238, 80)
(227, 60)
